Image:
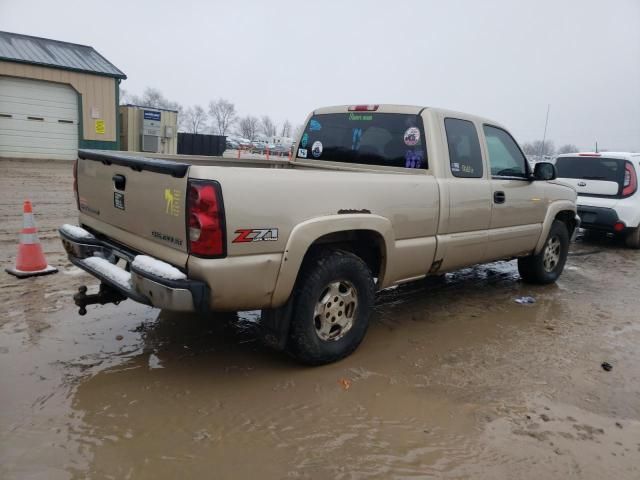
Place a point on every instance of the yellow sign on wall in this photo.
(100, 127)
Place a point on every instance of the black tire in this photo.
(633, 238)
(320, 273)
(533, 268)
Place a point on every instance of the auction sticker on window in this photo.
(411, 136)
(302, 152)
(316, 149)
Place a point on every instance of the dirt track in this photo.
(454, 380)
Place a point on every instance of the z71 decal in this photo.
(246, 235)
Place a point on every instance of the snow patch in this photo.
(157, 268)
(110, 271)
(76, 232)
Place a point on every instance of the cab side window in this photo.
(465, 157)
(505, 157)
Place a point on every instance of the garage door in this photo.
(38, 119)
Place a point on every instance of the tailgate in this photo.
(137, 201)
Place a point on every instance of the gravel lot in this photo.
(454, 380)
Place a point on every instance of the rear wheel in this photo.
(633, 238)
(331, 308)
(546, 266)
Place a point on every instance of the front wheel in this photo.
(546, 266)
(333, 301)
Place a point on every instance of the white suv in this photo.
(607, 186)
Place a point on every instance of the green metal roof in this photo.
(16, 47)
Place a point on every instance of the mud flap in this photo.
(274, 325)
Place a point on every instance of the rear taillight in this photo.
(205, 220)
(630, 184)
(75, 183)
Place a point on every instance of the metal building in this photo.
(55, 97)
(148, 129)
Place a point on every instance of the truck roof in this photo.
(406, 109)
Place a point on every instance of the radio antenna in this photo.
(544, 136)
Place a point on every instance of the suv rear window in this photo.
(387, 139)
(591, 168)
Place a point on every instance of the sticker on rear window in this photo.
(411, 136)
(302, 152)
(413, 159)
(315, 126)
(316, 149)
(305, 140)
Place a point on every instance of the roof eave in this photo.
(120, 75)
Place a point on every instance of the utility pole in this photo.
(544, 136)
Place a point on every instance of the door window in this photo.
(465, 157)
(505, 157)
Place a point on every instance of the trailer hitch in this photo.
(105, 295)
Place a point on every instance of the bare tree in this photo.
(223, 115)
(267, 126)
(154, 98)
(195, 119)
(568, 148)
(248, 127)
(125, 96)
(285, 131)
(528, 149)
(548, 149)
(298, 132)
(536, 149)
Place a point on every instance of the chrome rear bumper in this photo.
(99, 258)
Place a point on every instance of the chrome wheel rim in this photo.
(551, 256)
(335, 310)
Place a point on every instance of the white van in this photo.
(607, 186)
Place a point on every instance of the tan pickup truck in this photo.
(375, 196)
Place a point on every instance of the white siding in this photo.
(38, 119)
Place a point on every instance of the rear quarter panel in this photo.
(284, 199)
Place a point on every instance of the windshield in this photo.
(388, 139)
(591, 168)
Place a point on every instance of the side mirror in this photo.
(544, 171)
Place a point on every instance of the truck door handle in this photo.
(499, 197)
(119, 181)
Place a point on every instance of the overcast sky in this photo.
(502, 59)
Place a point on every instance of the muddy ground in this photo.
(454, 379)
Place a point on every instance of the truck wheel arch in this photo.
(563, 210)
(349, 232)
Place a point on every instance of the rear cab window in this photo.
(465, 157)
(368, 138)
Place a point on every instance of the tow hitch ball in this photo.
(105, 295)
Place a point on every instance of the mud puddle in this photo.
(454, 380)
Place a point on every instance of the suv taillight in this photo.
(205, 220)
(75, 183)
(630, 184)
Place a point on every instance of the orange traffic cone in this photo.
(30, 261)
